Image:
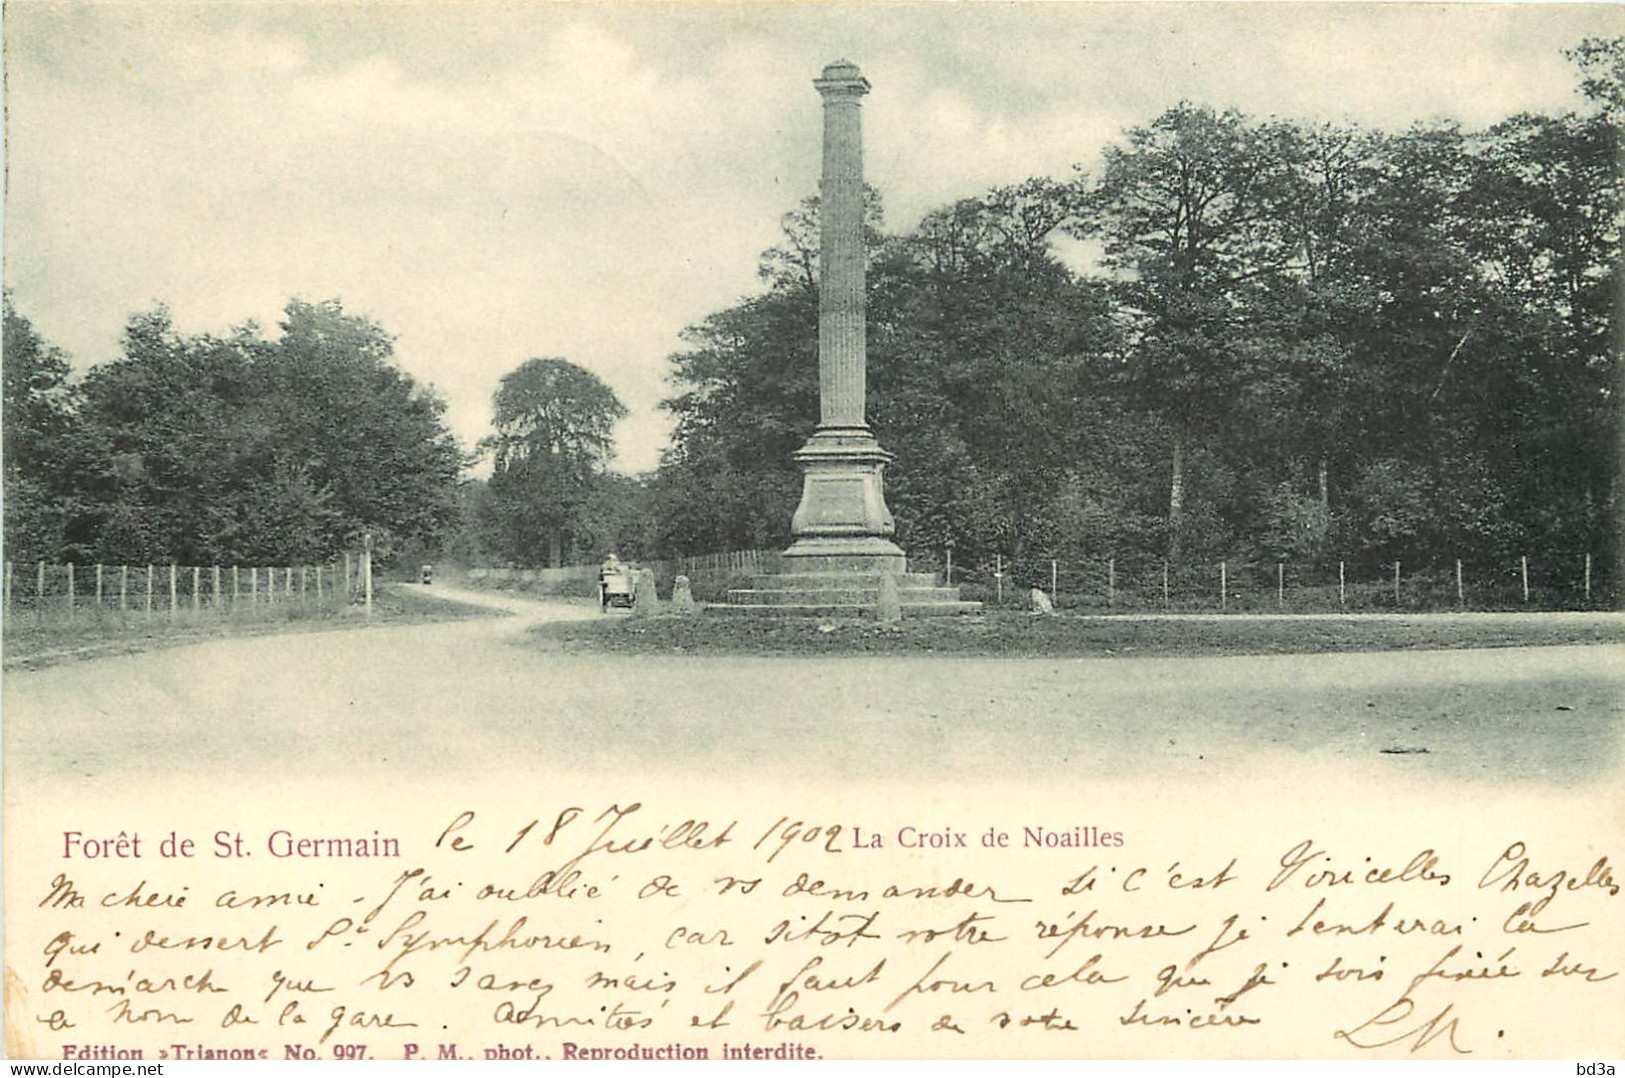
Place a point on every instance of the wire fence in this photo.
(708, 573)
(1139, 585)
(1107, 584)
(52, 595)
(741, 562)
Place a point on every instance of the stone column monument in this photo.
(842, 523)
(842, 562)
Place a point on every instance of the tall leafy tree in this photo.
(554, 437)
(168, 411)
(1545, 204)
(1602, 69)
(1313, 395)
(984, 368)
(240, 449)
(49, 455)
(1188, 212)
(354, 431)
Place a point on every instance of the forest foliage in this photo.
(238, 449)
(1256, 339)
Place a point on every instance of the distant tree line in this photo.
(1302, 342)
(243, 449)
(1296, 342)
(222, 450)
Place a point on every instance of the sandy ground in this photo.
(459, 698)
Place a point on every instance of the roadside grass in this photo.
(1024, 635)
(29, 642)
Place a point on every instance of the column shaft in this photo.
(842, 359)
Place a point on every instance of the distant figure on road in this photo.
(427, 574)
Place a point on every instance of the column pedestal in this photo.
(842, 523)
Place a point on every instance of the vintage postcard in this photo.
(687, 531)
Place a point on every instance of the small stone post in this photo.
(682, 597)
(889, 604)
(645, 599)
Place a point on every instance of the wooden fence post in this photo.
(217, 587)
(950, 558)
(98, 589)
(304, 571)
(254, 587)
(39, 591)
(172, 595)
(1111, 581)
(123, 589)
(1588, 579)
(1166, 600)
(1396, 583)
(149, 589)
(70, 591)
(1342, 591)
(366, 571)
(1054, 579)
(1523, 564)
(348, 589)
(1224, 586)
(998, 578)
(1461, 591)
(8, 587)
(196, 588)
(318, 583)
(1280, 586)
(236, 588)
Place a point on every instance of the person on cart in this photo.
(611, 578)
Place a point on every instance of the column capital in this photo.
(842, 80)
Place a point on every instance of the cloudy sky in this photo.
(494, 181)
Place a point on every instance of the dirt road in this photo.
(459, 698)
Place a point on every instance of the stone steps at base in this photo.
(840, 610)
(787, 593)
(838, 580)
